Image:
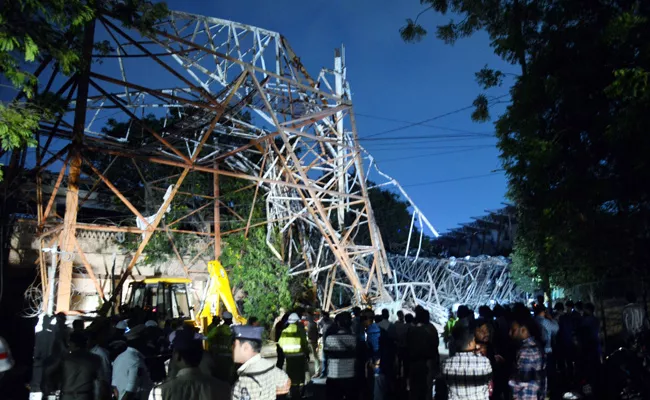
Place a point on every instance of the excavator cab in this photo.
(169, 298)
(162, 298)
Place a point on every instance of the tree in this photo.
(393, 219)
(50, 32)
(574, 139)
(253, 268)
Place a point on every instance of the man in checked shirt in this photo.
(528, 380)
(467, 374)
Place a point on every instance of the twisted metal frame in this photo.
(298, 149)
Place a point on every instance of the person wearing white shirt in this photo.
(131, 378)
(634, 318)
(96, 341)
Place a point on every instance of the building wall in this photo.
(107, 256)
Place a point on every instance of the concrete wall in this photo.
(102, 250)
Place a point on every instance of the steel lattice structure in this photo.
(439, 284)
(298, 149)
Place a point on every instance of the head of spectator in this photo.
(499, 311)
(60, 320)
(630, 297)
(188, 351)
(135, 337)
(400, 316)
(409, 318)
(485, 312)
(367, 317)
(253, 321)
(464, 338)
(482, 330)
(539, 310)
(589, 309)
(519, 309)
(78, 325)
(569, 305)
(78, 341)
(293, 319)
(385, 314)
(247, 342)
(422, 316)
(464, 312)
(579, 307)
(151, 324)
(121, 327)
(227, 318)
(325, 315)
(344, 321)
(559, 308)
(356, 312)
(98, 333)
(523, 325)
(378, 318)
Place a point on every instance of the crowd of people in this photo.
(503, 352)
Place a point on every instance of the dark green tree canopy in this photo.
(574, 138)
(37, 33)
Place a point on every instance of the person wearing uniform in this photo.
(258, 378)
(77, 372)
(190, 382)
(220, 345)
(295, 347)
(131, 379)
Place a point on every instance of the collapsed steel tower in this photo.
(292, 137)
(237, 102)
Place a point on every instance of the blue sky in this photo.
(394, 80)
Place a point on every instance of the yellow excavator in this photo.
(169, 297)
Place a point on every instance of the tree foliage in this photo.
(574, 139)
(253, 268)
(393, 219)
(50, 31)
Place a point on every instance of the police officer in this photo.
(295, 347)
(258, 378)
(220, 345)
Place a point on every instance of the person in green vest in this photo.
(220, 346)
(449, 326)
(295, 347)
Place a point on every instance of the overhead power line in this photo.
(463, 178)
(411, 146)
(431, 154)
(442, 128)
(432, 137)
(424, 121)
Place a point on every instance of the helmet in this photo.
(293, 318)
(6, 360)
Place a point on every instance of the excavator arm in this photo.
(218, 291)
